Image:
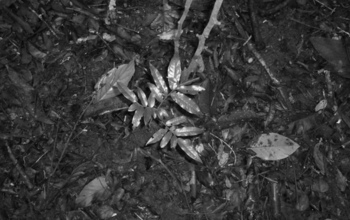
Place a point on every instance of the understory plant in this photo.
(175, 127)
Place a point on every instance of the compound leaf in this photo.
(142, 97)
(176, 121)
(134, 107)
(148, 115)
(192, 90)
(186, 103)
(174, 71)
(158, 95)
(166, 139)
(158, 79)
(137, 117)
(187, 146)
(157, 136)
(188, 131)
(127, 93)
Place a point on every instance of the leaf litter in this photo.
(173, 109)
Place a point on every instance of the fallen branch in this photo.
(197, 60)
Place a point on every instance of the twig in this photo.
(18, 167)
(197, 58)
(270, 73)
(260, 45)
(68, 139)
(145, 153)
(224, 142)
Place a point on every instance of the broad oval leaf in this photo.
(166, 139)
(176, 121)
(158, 79)
(157, 136)
(188, 131)
(142, 97)
(273, 146)
(127, 93)
(137, 117)
(187, 146)
(186, 103)
(156, 92)
(174, 71)
(134, 107)
(192, 90)
(106, 83)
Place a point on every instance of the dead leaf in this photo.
(273, 146)
(334, 52)
(319, 158)
(95, 188)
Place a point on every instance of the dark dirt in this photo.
(268, 67)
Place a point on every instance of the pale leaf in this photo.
(137, 117)
(173, 142)
(174, 71)
(192, 90)
(157, 136)
(158, 79)
(222, 155)
(106, 83)
(94, 188)
(158, 95)
(273, 146)
(188, 131)
(151, 100)
(127, 93)
(176, 121)
(187, 146)
(142, 97)
(166, 139)
(186, 103)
